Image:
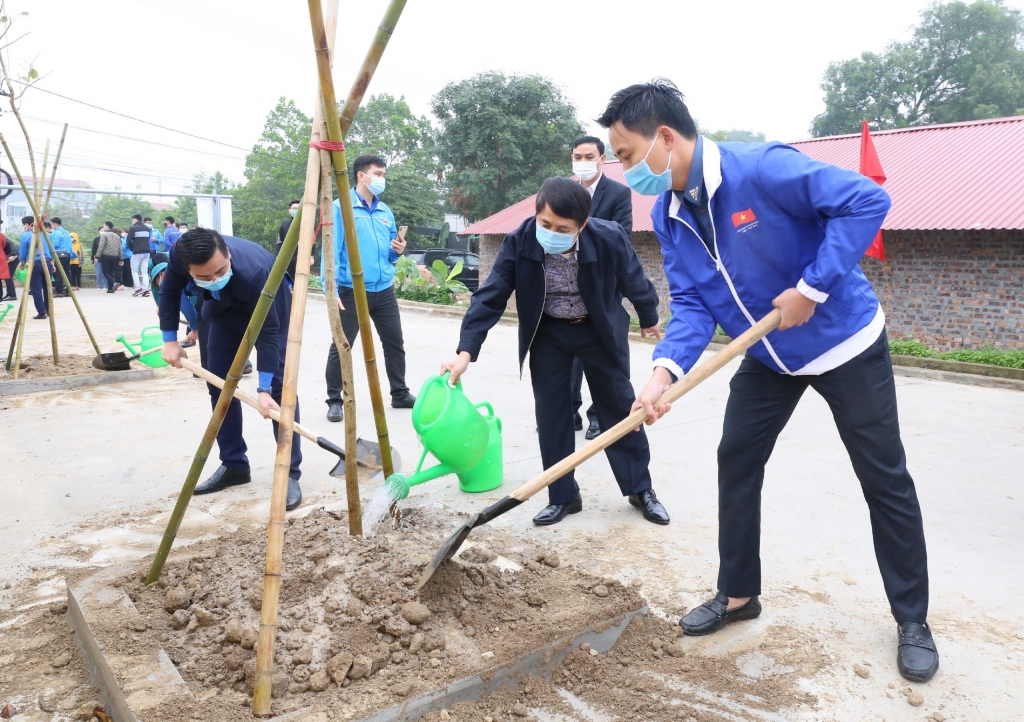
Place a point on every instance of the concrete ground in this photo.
(87, 475)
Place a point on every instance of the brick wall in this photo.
(948, 289)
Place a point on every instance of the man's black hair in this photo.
(108, 224)
(28, 220)
(147, 218)
(169, 219)
(46, 225)
(643, 107)
(294, 203)
(367, 161)
(587, 139)
(137, 217)
(566, 199)
(57, 220)
(198, 246)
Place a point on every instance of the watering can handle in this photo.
(446, 375)
(486, 405)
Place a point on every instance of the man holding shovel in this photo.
(744, 228)
(570, 273)
(230, 274)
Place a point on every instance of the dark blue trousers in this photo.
(222, 341)
(862, 396)
(37, 285)
(554, 347)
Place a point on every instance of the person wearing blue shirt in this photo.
(380, 245)
(744, 229)
(229, 275)
(156, 238)
(171, 232)
(61, 240)
(37, 282)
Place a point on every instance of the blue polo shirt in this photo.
(26, 243)
(695, 199)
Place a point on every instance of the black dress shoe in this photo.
(403, 401)
(577, 422)
(917, 658)
(649, 505)
(335, 411)
(714, 614)
(247, 369)
(222, 479)
(294, 494)
(40, 317)
(554, 513)
(593, 431)
(188, 344)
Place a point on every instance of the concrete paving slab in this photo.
(60, 383)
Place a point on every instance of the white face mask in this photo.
(585, 169)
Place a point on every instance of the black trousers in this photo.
(12, 266)
(75, 275)
(862, 396)
(554, 347)
(37, 285)
(125, 272)
(111, 271)
(577, 391)
(64, 259)
(388, 322)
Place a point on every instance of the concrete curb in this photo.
(59, 383)
(957, 372)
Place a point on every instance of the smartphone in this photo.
(402, 230)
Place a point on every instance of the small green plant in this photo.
(990, 356)
(443, 289)
(909, 347)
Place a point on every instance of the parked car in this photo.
(470, 274)
(416, 256)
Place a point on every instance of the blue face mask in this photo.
(554, 242)
(376, 185)
(216, 284)
(644, 181)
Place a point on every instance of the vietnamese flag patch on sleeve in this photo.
(742, 217)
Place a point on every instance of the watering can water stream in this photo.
(453, 429)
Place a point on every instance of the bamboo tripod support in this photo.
(51, 317)
(46, 236)
(261, 699)
(335, 132)
(252, 331)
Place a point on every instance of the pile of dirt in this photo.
(351, 629)
(41, 367)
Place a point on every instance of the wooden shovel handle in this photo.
(754, 334)
(241, 395)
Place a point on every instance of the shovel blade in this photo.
(116, 361)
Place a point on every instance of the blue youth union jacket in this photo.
(780, 220)
(375, 227)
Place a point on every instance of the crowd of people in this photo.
(122, 255)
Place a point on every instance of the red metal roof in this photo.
(952, 177)
(957, 176)
(509, 219)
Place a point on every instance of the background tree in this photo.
(385, 126)
(119, 211)
(964, 62)
(185, 209)
(500, 137)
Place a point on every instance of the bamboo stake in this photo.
(34, 247)
(230, 384)
(261, 698)
(355, 512)
(334, 130)
(50, 316)
(46, 236)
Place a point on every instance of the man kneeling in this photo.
(570, 274)
(229, 275)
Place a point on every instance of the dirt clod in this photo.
(519, 709)
(915, 698)
(676, 650)
(61, 660)
(600, 591)
(402, 689)
(177, 598)
(415, 613)
(180, 619)
(361, 667)
(861, 671)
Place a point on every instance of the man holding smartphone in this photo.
(380, 245)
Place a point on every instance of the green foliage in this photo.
(119, 211)
(185, 210)
(736, 136)
(443, 289)
(990, 356)
(275, 172)
(385, 126)
(500, 137)
(964, 62)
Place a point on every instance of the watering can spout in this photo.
(124, 341)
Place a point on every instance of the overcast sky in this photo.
(215, 68)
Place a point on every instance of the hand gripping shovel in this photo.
(367, 452)
(609, 437)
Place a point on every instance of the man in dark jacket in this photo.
(138, 239)
(570, 273)
(229, 274)
(612, 201)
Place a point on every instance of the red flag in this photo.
(747, 216)
(872, 168)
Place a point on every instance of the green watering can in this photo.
(453, 429)
(21, 274)
(3, 314)
(151, 338)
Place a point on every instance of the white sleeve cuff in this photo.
(811, 293)
(671, 365)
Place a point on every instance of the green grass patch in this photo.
(989, 356)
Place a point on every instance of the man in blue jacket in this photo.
(570, 273)
(380, 245)
(745, 228)
(230, 273)
(37, 282)
(62, 245)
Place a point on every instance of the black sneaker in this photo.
(335, 411)
(403, 401)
